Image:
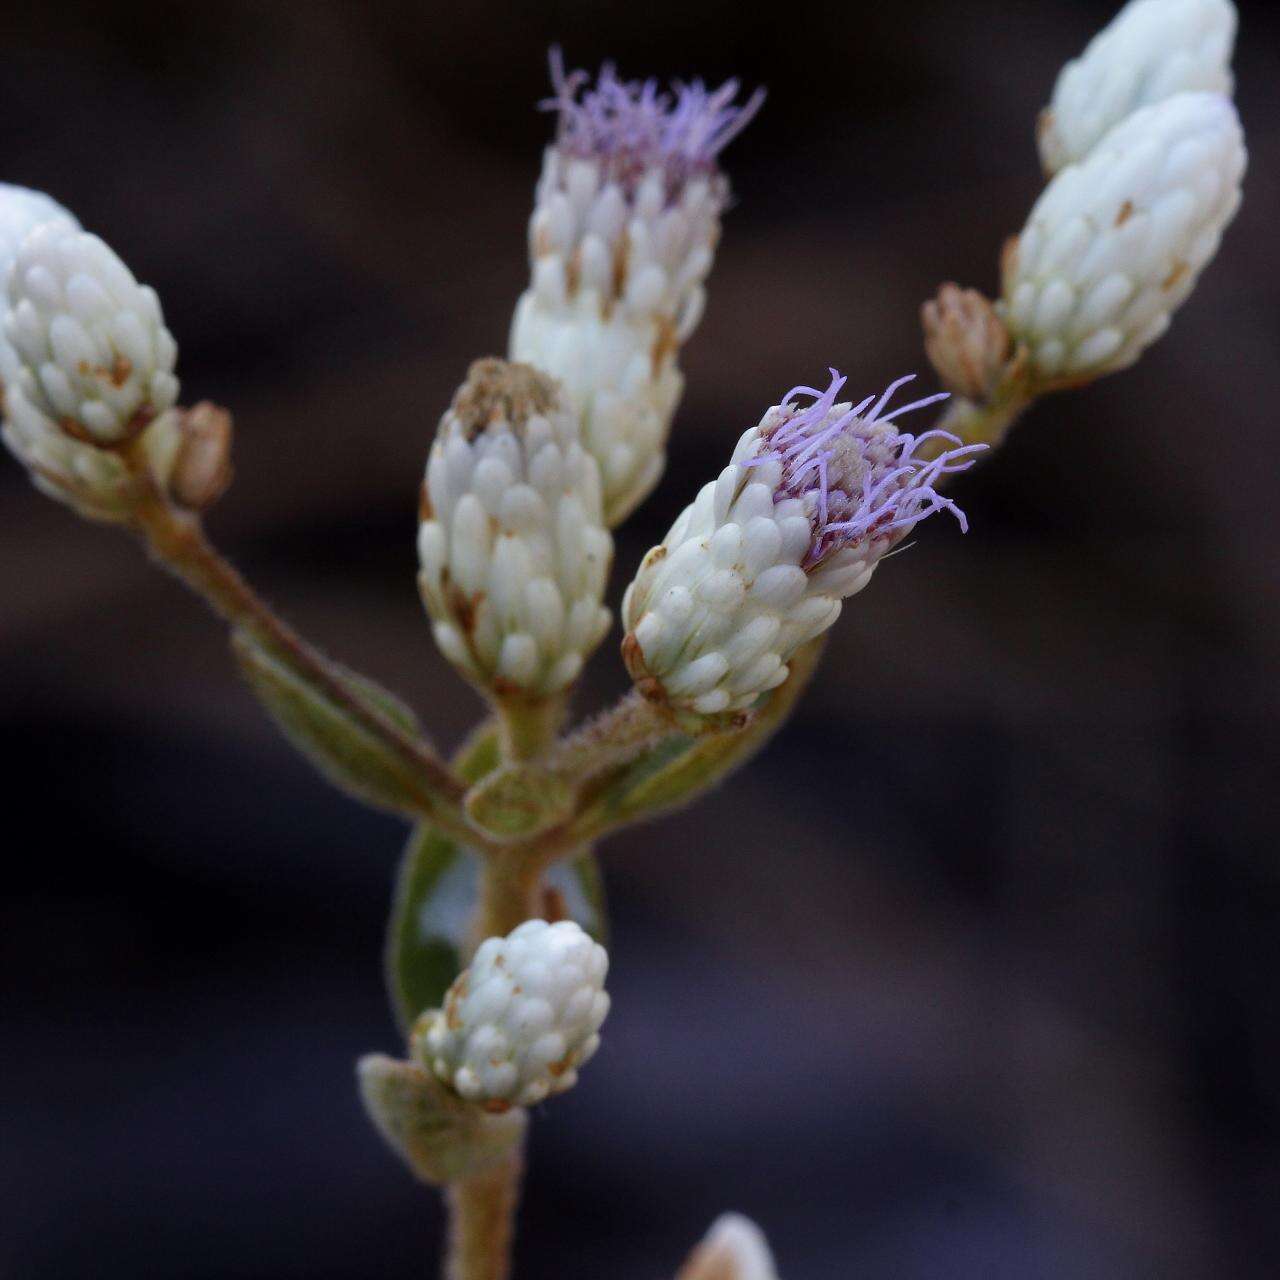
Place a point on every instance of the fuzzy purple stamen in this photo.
(631, 126)
(861, 475)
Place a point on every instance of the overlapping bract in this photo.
(522, 1019)
(1117, 242)
(513, 549)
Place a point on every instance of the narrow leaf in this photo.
(325, 732)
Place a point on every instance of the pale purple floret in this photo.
(857, 474)
(631, 126)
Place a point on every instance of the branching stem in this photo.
(176, 539)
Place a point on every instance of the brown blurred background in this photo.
(972, 975)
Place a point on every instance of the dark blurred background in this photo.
(972, 975)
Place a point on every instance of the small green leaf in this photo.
(435, 894)
(582, 883)
(327, 734)
(434, 897)
(518, 801)
(440, 1137)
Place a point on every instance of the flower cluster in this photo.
(811, 501)
(86, 360)
(1117, 242)
(512, 544)
(1152, 50)
(622, 238)
(518, 1023)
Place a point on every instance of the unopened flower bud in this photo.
(759, 563)
(518, 1023)
(734, 1249)
(85, 360)
(93, 354)
(202, 467)
(966, 341)
(1150, 51)
(512, 544)
(1116, 243)
(622, 238)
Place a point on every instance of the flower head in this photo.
(91, 349)
(1149, 51)
(1116, 243)
(85, 360)
(813, 498)
(623, 234)
(518, 1024)
(512, 544)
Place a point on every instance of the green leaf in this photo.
(436, 893)
(327, 734)
(582, 883)
(440, 1137)
(681, 768)
(430, 913)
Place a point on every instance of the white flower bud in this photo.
(93, 354)
(1151, 50)
(734, 1249)
(1116, 243)
(518, 1023)
(758, 564)
(622, 238)
(512, 544)
(85, 360)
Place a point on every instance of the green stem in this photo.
(482, 1213)
(482, 1210)
(528, 725)
(654, 782)
(615, 737)
(177, 540)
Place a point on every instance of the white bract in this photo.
(760, 561)
(1116, 243)
(21, 211)
(1152, 50)
(519, 1022)
(92, 352)
(734, 1249)
(513, 549)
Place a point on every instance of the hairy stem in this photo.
(177, 540)
(615, 737)
(528, 725)
(654, 782)
(482, 1210)
(985, 421)
(482, 1222)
